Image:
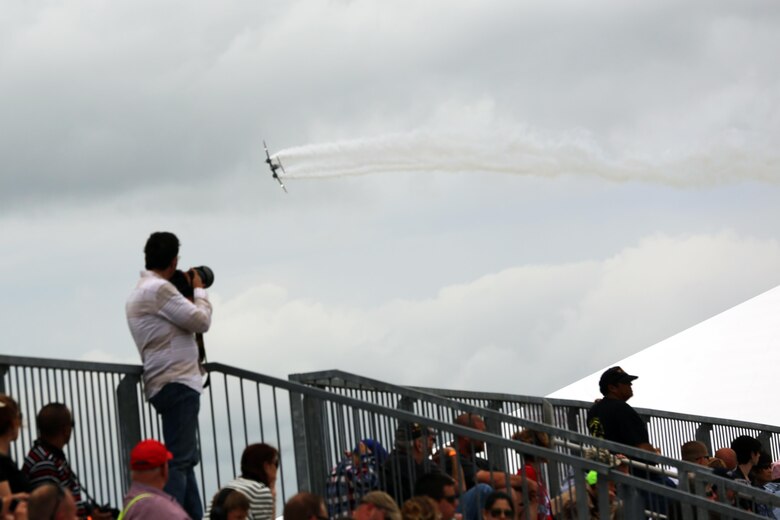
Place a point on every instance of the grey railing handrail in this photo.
(663, 414)
(354, 381)
(67, 364)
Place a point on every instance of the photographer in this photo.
(163, 324)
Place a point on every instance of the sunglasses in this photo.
(451, 498)
(506, 513)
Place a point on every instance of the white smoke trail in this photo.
(522, 153)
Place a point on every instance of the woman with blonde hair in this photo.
(420, 508)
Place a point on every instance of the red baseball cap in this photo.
(149, 454)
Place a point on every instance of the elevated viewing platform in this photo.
(315, 418)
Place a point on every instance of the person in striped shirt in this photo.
(259, 466)
(46, 461)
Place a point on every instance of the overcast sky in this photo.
(500, 196)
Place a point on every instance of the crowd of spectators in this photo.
(417, 480)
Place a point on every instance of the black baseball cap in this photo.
(614, 376)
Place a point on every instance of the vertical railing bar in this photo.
(89, 379)
(260, 412)
(243, 413)
(214, 433)
(79, 432)
(278, 438)
(100, 433)
(229, 425)
(115, 447)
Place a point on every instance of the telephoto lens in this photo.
(206, 275)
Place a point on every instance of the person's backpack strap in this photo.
(130, 504)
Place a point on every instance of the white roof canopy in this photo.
(722, 367)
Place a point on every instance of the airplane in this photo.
(274, 166)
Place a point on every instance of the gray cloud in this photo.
(100, 100)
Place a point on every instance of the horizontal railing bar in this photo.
(67, 364)
(320, 378)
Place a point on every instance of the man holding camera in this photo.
(163, 324)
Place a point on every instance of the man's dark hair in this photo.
(160, 250)
(745, 446)
(303, 506)
(495, 496)
(432, 485)
(53, 419)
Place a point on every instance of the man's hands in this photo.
(99, 514)
(195, 279)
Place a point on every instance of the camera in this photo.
(183, 281)
(206, 275)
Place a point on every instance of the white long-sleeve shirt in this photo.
(163, 324)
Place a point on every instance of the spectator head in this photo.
(466, 445)
(728, 456)
(305, 506)
(260, 462)
(51, 501)
(761, 473)
(695, 452)
(149, 463)
(419, 508)
(368, 448)
(161, 251)
(747, 449)
(377, 505)
(440, 488)
(10, 418)
(616, 384)
(229, 504)
(414, 438)
(499, 505)
(534, 437)
(55, 424)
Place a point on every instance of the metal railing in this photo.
(311, 427)
(668, 430)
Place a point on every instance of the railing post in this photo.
(554, 478)
(129, 420)
(310, 437)
(406, 404)
(3, 373)
(572, 414)
(300, 445)
(704, 434)
(764, 438)
(495, 454)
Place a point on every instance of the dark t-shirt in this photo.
(616, 421)
(399, 473)
(10, 472)
(470, 466)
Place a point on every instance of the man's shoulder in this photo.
(607, 405)
(42, 454)
(246, 485)
(141, 501)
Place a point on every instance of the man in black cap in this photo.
(612, 418)
(409, 460)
